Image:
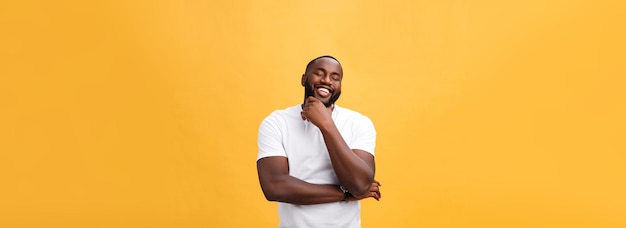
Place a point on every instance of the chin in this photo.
(327, 103)
(323, 100)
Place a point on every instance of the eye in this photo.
(336, 78)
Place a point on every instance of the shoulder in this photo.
(286, 112)
(284, 115)
(349, 114)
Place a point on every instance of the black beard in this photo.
(308, 92)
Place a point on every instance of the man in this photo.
(317, 159)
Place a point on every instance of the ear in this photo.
(303, 79)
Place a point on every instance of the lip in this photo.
(330, 90)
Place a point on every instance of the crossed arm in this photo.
(354, 168)
(279, 186)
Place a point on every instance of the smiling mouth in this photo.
(323, 92)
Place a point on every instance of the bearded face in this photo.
(328, 96)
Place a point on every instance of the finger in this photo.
(375, 190)
(312, 99)
(375, 195)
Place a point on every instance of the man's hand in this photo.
(315, 111)
(374, 192)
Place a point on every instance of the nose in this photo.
(326, 80)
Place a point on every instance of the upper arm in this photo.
(272, 164)
(363, 142)
(270, 138)
(363, 136)
(367, 158)
(272, 170)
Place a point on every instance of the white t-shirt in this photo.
(284, 133)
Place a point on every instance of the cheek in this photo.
(337, 87)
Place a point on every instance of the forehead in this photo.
(327, 64)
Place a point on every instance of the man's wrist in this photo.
(327, 126)
(346, 194)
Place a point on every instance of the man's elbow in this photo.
(361, 188)
(359, 191)
(271, 194)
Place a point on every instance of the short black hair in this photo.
(308, 66)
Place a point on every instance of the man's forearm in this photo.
(278, 185)
(288, 189)
(353, 173)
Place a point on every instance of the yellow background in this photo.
(145, 113)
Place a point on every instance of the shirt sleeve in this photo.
(270, 138)
(364, 135)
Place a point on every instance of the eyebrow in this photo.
(319, 68)
(323, 69)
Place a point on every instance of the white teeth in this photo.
(324, 90)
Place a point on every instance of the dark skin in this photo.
(354, 168)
